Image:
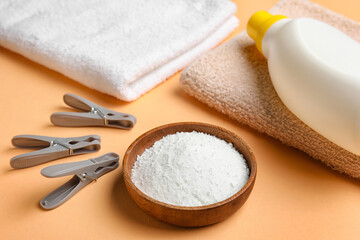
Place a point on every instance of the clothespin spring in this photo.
(101, 114)
(84, 176)
(55, 142)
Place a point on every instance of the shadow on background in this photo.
(126, 206)
(66, 83)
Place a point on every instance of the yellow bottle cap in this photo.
(259, 23)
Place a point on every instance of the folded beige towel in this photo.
(234, 79)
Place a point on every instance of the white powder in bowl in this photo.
(190, 169)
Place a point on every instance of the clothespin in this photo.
(94, 115)
(85, 172)
(53, 148)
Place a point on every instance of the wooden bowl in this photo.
(187, 216)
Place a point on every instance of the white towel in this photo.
(122, 48)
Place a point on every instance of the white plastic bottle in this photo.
(315, 70)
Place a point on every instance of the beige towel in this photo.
(234, 79)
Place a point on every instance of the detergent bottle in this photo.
(315, 70)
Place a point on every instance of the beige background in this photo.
(295, 196)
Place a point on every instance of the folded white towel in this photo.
(122, 48)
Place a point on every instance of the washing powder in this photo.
(190, 169)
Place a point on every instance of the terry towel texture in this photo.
(122, 48)
(234, 79)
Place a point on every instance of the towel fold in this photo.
(122, 48)
(234, 79)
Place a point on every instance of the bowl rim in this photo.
(127, 174)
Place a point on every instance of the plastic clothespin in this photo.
(53, 148)
(94, 115)
(85, 172)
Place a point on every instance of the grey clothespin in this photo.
(85, 172)
(53, 148)
(94, 115)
